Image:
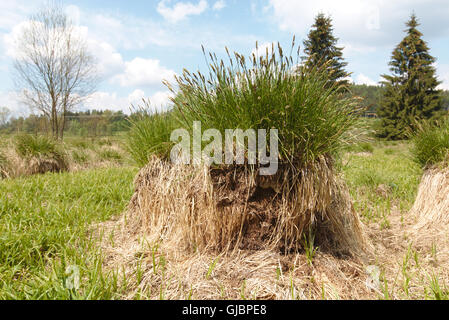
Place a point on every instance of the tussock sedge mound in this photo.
(243, 229)
(242, 225)
(39, 154)
(15, 165)
(223, 209)
(431, 208)
(228, 232)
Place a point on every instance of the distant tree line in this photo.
(373, 95)
(87, 124)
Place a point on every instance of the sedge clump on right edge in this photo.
(431, 150)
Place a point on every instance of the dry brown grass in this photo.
(220, 224)
(19, 166)
(4, 166)
(41, 165)
(154, 270)
(431, 206)
(16, 166)
(224, 209)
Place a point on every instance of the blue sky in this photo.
(138, 43)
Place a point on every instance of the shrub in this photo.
(150, 135)
(431, 142)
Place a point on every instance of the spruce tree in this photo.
(321, 48)
(411, 90)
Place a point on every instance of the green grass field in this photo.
(383, 178)
(46, 222)
(44, 229)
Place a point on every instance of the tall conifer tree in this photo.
(411, 90)
(321, 47)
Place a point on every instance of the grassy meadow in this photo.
(47, 225)
(272, 176)
(338, 220)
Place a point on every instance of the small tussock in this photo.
(40, 154)
(228, 208)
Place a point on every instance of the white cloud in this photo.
(158, 101)
(219, 5)
(10, 39)
(136, 97)
(101, 100)
(10, 100)
(299, 15)
(362, 23)
(143, 72)
(74, 14)
(180, 10)
(362, 79)
(443, 75)
(112, 101)
(109, 61)
(161, 99)
(262, 48)
(13, 12)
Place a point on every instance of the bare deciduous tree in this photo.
(54, 70)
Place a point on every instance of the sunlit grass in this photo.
(387, 177)
(44, 228)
